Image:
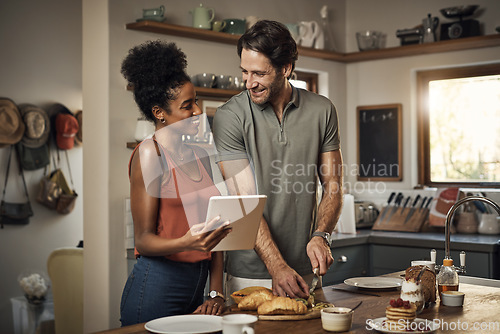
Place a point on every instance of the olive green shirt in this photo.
(285, 158)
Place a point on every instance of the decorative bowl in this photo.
(368, 40)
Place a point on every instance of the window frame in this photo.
(423, 133)
(310, 78)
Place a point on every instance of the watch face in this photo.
(213, 294)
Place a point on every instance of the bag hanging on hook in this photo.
(15, 213)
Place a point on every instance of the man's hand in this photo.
(320, 254)
(287, 283)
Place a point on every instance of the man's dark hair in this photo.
(272, 39)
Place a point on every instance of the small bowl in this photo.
(336, 319)
(205, 79)
(452, 298)
(368, 40)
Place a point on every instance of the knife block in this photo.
(397, 220)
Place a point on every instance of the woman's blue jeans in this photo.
(158, 287)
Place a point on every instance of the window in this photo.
(305, 80)
(459, 126)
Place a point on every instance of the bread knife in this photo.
(315, 280)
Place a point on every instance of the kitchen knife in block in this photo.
(413, 208)
(387, 207)
(395, 207)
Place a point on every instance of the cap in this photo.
(447, 262)
(66, 129)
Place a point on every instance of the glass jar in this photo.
(412, 292)
(447, 278)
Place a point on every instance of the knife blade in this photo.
(413, 208)
(404, 205)
(387, 208)
(315, 280)
(397, 203)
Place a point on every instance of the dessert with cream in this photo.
(411, 291)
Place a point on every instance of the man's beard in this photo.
(273, 91)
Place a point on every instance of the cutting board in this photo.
(311, 314)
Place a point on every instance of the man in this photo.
(278, 140)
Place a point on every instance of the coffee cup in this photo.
(153, 12)
(431, 265)
(218, 25)
(235, 26)
(238, 323)
(294, 30)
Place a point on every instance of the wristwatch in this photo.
(324, 235)
(215, 294)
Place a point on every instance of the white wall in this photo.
(40, 63)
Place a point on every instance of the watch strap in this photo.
(324, 235)
(215, 294)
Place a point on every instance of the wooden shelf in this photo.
(393, 52)
(209, 92)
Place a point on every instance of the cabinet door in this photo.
(388, 259)
(351, 261)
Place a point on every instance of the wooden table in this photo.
(481, 308)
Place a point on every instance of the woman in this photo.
(172, 261)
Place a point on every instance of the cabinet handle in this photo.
(342, 259)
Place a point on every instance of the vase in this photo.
(34, 316)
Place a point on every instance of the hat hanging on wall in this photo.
(11, 123)
(79, 134)
(66, 129)
(37, 125)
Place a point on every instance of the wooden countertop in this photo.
(481, 308)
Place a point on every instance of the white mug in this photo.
(430, 264)
(238, 324)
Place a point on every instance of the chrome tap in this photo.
(447, 226)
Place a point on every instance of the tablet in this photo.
(244, 212)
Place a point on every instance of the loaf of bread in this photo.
(282, 305)
(240, 294)
(255, 299)
(428, 281)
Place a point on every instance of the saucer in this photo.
(151, 18)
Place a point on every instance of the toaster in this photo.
(365, 213)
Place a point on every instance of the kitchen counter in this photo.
(478, 315)
(467, 242)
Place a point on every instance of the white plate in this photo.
(185, 324)
(374, 282)
(419, 326)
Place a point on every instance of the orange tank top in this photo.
(183, 202)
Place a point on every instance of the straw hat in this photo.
(11, 123)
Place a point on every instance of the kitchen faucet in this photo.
(447, 226)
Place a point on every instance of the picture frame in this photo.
(379, 136)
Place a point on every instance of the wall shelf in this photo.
(393, 52)
(202, 92)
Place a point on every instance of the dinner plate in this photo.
(374, 282)
(184, 324)
(418, 326)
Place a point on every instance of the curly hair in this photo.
(155, 69)
(272, 39)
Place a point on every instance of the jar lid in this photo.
(447, 262)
